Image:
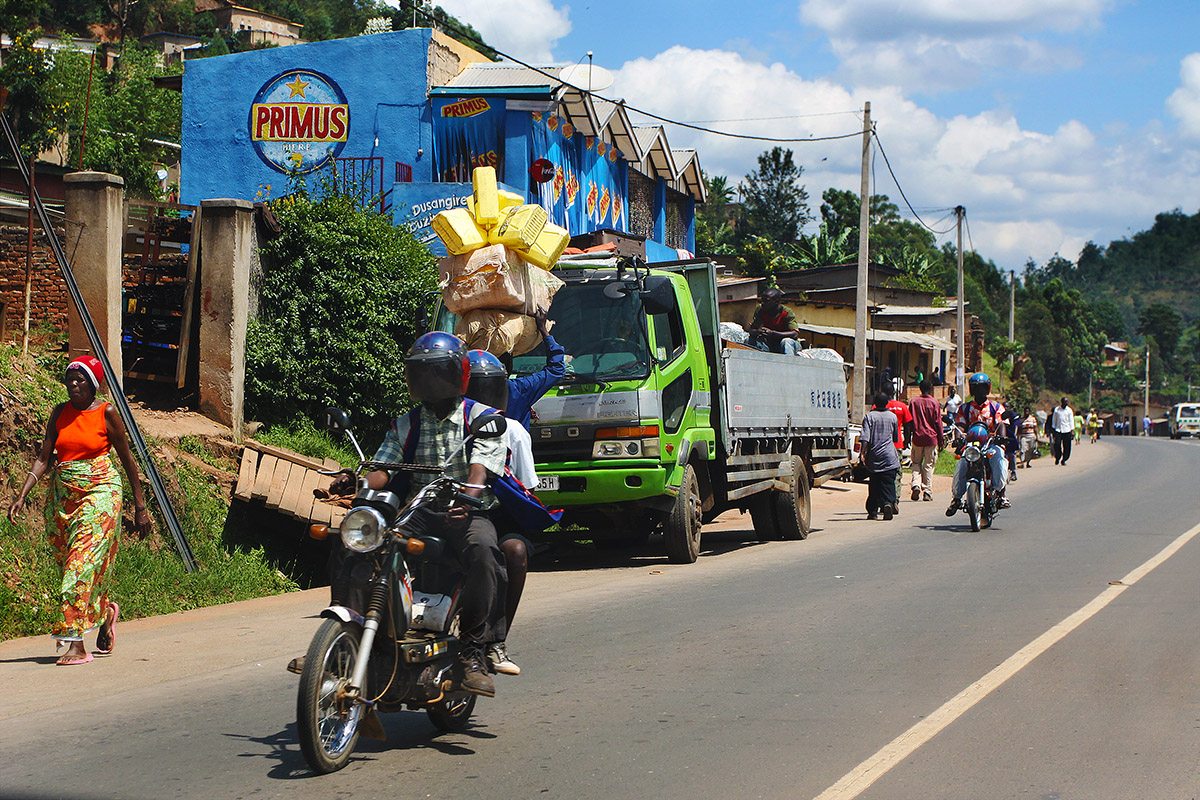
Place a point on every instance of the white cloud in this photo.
(527, 29)
(934, 45)
(1027, 194)
(1184, 102)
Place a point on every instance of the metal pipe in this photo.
(119, 400)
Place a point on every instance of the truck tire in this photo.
(793, 510)
(682, 530)
(762, 515)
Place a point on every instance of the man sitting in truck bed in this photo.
(774, 326)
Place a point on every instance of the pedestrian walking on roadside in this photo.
(1012, 442)
(1146, 425)
(878, 442)
(1029, 442)
(905, 421)
(83, 511)
(927, 441)
(1078, 428)
(1092, 423)
(1062, 424)
(953, 401)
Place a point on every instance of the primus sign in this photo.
(299, 121)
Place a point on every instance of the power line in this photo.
(896, 181)
(768, 119)
(622, 103)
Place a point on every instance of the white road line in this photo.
(857, 780)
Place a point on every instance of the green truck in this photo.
(661, 425)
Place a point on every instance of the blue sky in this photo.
(1053, 122)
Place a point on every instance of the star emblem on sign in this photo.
(297, 87)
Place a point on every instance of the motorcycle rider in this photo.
(437, 372)
(490, 385)
(981, 410)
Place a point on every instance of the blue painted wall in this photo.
(384, 79)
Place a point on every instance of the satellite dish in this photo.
(587, 76)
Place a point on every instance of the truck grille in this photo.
(550, 452)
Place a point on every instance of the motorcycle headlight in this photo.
(363, 530)
(972, 453)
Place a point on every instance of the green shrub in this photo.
(339, 297)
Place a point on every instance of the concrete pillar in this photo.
(226, 253)
(95, 214)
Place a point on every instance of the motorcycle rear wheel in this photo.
(973, 504)
(326, 723)
(452, 713)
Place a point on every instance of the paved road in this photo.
(841, 665)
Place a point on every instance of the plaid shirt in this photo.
(437, 439)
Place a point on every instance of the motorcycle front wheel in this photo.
(973, 504)
(327, 722)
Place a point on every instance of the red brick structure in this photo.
(49, 297)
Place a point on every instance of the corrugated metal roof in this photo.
(482, 76)
(914, 311)
(924, 340)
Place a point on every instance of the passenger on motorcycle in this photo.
(989, 413)
(491, 386)
(437, 372)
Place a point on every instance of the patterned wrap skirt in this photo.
(84, 525)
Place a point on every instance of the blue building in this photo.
(407, 115)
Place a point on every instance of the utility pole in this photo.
(1146, 397)
(857, 403)
(960, 373)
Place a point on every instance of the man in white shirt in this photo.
(952, 403)
(1062, 427)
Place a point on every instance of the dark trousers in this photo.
(481, 606)
(881, 490)
(1062, 446)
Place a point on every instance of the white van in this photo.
(1184, 420)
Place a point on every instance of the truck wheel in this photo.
(682, 532)
(793, 510)
(762, 514)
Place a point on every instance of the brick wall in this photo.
(49, 296)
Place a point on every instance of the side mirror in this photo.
(659, 295)
(336, 420)
(489, 426)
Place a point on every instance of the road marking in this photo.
(859, 779)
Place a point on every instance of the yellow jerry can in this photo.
(548, 247)
(458, 231)
(486, 197)
(519, 227)
(507, 200)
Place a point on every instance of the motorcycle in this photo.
(388, 639)
(980, 501)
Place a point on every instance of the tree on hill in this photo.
(894, 241)
(1164, 324)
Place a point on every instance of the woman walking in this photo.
(83, 511)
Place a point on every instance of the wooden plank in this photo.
(291, 493)
(339, 514)
(246, 472)
(189, 299)
(302, 508)
(286, 455)
(262, 482)
(315, 511)
(283, 471)
(330, 464)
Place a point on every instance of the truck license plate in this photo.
(548, 483)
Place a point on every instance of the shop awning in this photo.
(923, 340)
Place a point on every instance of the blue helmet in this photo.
(977, 433)
(979, 386)
(489, 379)
(436, 367)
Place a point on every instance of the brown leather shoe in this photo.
(475, 677)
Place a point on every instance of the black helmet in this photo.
(980, 386)
(436, 368)
(489, 380)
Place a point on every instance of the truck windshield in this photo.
(604, 335)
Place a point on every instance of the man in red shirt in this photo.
(774, 325)
(927, 440)
(905, 424)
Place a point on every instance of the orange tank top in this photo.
(82, 435)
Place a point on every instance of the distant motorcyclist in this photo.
(437, 372)
(990, 413)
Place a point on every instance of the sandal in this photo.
(114, 613)
(68, 660)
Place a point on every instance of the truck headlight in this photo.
(363, 530)
(617, 448)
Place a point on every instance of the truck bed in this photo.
(780, 395)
